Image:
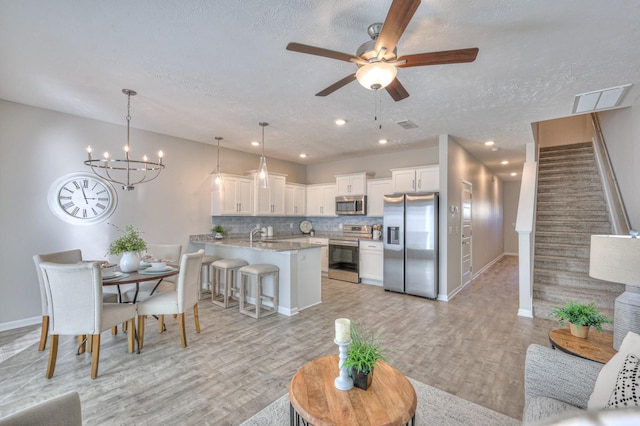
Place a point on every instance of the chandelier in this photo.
(262, 168)
(126, 172)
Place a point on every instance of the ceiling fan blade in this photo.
(397, 90)
(337, 85)
(438, 58)
(319, 51)
(400, 13)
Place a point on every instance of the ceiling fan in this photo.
(377, 58)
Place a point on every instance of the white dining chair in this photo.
(178, 301)
(69, 256)
(74, 298)
(169, 252)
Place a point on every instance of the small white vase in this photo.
(130, 261)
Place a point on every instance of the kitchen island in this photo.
(300, 284)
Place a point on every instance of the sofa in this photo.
(565, 389)
(63, 410)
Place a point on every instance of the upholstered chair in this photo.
(61, 410)
(175, 302)
(170, 252)
(74, 298)
(70, 256)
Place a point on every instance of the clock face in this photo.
(82, 198)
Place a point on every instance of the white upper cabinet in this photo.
(416, 179)
(234, 196)
(352, 184)
(269, 201)
(295, 197)
(376, 190)
(321, 200)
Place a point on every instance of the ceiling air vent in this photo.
(600, 99)
(407, 124)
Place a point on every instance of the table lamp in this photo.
(616, 258)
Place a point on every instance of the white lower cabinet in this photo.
(371, 262)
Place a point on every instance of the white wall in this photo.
(510, 206)
(487, 214)
(621, 130)
(38, 146)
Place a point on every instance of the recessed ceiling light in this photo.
(341, 122)
(303, 155)
(255, 143)
(494, 149)
(504, 162)
(489, 143)
(514, 174)
(382, 141)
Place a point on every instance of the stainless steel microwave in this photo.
(351, 205)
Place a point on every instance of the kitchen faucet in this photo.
(253, 232)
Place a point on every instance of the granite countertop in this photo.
(268, 244)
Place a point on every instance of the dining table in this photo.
(139, 276)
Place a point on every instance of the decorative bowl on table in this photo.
(109, 270)
(158, 265)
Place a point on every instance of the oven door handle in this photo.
(343, 243)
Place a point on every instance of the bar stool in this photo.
(259, 272)
(224, 281)
(207, 274)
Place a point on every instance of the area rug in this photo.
(435, 407)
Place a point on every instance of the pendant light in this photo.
(126, 172)
(263, 175)
(218, 178)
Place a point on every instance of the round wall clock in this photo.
(82, 198)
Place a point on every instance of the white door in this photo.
(466, 233)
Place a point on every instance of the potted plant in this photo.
(362, 355)
(580, 317)
(129, 245)
(219, 231)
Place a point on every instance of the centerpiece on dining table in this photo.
(129, 246)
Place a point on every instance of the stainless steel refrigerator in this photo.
(411, 244)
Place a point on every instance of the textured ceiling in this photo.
(216, 68)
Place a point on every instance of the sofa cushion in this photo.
(540, 407)
(606, 381)
(626, 393)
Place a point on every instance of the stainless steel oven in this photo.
(344, 254)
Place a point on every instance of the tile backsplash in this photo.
(289, 225)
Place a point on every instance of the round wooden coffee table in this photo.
(391, 399)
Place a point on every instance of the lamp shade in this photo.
(376, 75)
(615, 258)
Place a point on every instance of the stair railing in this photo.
(613, 198)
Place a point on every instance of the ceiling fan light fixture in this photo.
(376, 75)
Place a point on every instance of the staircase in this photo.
(570, 207)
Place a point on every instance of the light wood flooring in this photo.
(473, 347)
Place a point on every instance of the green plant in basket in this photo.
(130, 241)
(580, 314)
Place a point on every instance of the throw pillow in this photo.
(627, 390)
(607, 377)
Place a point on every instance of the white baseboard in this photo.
(507, 253)
(20, 323)
(527, 313)
(487, 266)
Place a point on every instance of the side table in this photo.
(597, 347)
(390, 400)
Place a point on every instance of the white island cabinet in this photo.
(300, 281)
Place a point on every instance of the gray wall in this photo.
(38, 146)
(510, 206)
(621, 130)
(487, 214)
(378, 165)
